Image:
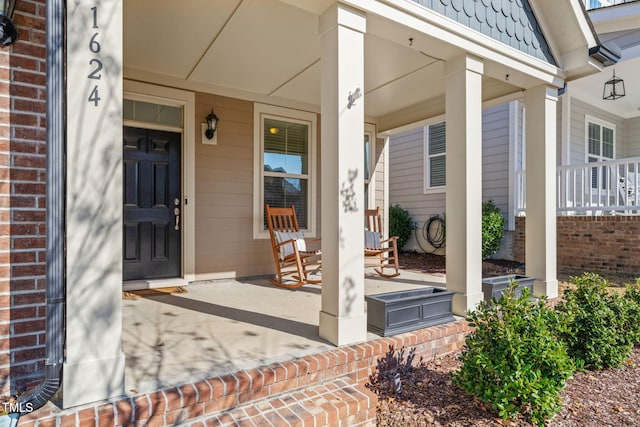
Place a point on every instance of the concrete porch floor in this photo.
(223, 326)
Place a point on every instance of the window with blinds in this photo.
(436, 147)
(286, 166)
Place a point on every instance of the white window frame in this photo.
(600, 158)
(264, 111)
(602, 123)
(370, 130)
(427, 189)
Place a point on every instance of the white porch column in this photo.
(464, 181)
(94, 364)
(342, 318)
(540, 228)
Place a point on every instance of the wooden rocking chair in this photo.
(293, 261)
(375, 246)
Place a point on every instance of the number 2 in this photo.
(94, 74)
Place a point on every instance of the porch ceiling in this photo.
(271, 49)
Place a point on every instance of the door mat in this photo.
(154, 292)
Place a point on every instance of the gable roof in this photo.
(511, 22)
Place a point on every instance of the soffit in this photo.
(270, 49)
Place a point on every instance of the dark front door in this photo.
(152, 205)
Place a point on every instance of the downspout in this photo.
(55, 223)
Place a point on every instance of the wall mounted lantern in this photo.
(209, 129)
(212, 125)
(613, 88)
(8, 32)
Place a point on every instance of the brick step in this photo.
(341, 402)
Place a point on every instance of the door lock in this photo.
(176, 212)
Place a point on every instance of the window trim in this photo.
(602, 123)
(370, 129)
(427, 189)
(260, 112)
(588, 120)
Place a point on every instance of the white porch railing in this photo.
(600, 188)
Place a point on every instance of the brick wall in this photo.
(22, 200)
(598, 244)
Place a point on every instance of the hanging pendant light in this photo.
(613, 88)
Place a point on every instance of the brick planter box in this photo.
(398, 312)
(493, 287)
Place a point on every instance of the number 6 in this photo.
(94, 46)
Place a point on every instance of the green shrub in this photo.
(632, 296)
(492, 229)
(513, 359)
(595, 323)
(400, 224)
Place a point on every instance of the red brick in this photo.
(173, 398)
(281, 386)
(158, 403)
(221, 403)
(124, 411)
(204, 391)
(230, 384)
(217, 387)
(253, 394)
(142, 407)
(188, 395)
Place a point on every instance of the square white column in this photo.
(540, 228)
(463, 77)
(94, 363)
(342, 318)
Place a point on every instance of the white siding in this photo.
(633, 137)
(495, 156)
(406, 188)
(577, 145)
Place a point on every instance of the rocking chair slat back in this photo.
(292, 260)
(385, 250)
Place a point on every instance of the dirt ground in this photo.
(604, 398)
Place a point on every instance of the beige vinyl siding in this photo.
(579, 110)
(225, 246)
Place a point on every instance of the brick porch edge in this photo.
(279, 394)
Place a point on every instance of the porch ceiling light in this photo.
(613, 88)
(8, 32)
(212, 125)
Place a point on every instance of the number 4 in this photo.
(94, 97)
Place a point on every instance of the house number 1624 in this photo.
(95, 63)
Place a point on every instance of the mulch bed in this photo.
(609, 397)
(604, 398)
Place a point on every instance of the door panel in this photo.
(151, 247)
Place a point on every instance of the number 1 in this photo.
(95, 16)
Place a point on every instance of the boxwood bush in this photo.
(513, 360)
(400, 224)
(595, 324)
(492, 229)
(632, 296)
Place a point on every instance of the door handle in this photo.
(176, 212)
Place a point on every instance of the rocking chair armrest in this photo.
(390, 239)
